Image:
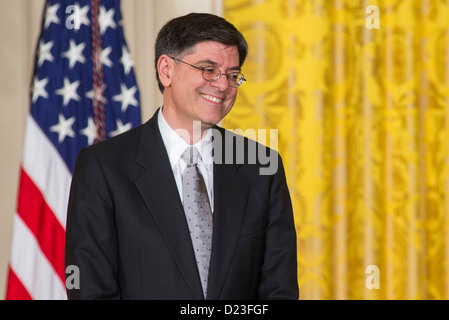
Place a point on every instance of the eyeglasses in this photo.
(235, 79)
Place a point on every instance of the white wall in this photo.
(19, 28)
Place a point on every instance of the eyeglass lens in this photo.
(235, 79)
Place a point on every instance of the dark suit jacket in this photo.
(127, 232)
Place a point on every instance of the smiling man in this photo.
(189, 97)
(154, 214)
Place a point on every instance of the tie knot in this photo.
(190, 156)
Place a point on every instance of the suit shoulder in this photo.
(233, 148)
(245, 139)
(118, 146)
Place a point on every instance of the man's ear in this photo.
(164, 68)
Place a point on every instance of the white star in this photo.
(45, 52)
(51, 15)
(75, 53)
(90, 131)
(120, 128)
(39, 89)
(106, 19)
(63, 128)
(79, 16)
(126, 60)
(104, 57)
(126, 97)
(68, 91)
(99, 94)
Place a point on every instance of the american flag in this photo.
(83, 90)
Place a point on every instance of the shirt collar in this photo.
(175, 145)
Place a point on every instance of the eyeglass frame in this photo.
(239, 83)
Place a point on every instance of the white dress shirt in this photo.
(175, 146)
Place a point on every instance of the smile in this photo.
(211, 98)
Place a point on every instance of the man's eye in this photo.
(209, 70)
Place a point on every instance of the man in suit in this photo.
(129, 230)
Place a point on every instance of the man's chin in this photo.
(211, 121)
(208, 124)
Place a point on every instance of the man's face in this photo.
(190, 97)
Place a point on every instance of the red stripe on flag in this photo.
(15, 289)
(41, 221)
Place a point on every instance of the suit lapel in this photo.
(158, 190)
(230, 198)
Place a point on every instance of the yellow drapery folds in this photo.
(360, 99)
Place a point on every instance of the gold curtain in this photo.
(360, 99)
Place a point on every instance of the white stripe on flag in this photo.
(47, 169)
(32, 267)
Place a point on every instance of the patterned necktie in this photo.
(198, 213)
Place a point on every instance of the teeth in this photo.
(211, 98)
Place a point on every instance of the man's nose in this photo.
(221, 83)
